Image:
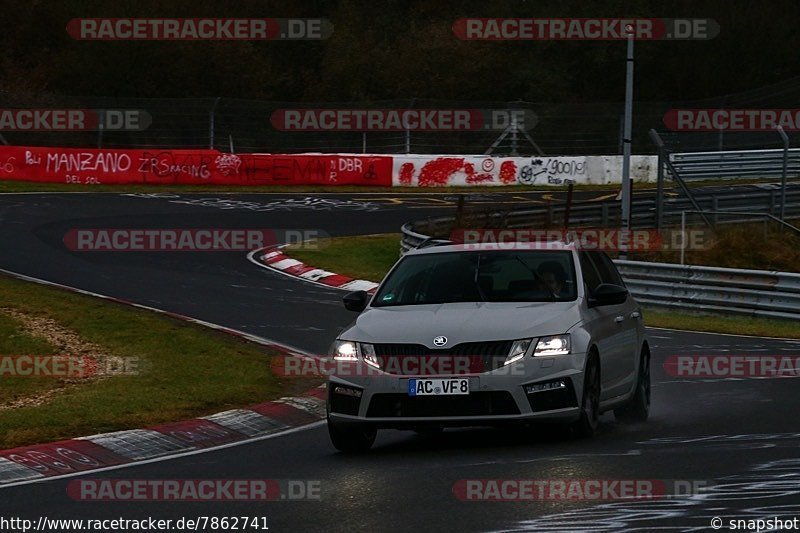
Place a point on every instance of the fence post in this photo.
(785, 139)
(514, 139)
(211, 124)
(721, 137)
(659, 179)
(100, 126)
(408, 131)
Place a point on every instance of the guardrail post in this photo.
(683, 235)
(715, 209)
(460, 211)
(568, 207)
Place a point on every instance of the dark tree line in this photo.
(397, 49)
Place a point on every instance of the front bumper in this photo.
(497, 397)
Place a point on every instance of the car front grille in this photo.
(396, 405)
(416, 359)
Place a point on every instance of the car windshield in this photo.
(501, 276)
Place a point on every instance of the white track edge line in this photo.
(179, 455)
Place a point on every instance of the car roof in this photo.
(445, 247)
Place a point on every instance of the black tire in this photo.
(638, 408)
(352, 438)
(586, 425)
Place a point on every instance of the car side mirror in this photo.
(608, 294)
(356, 301)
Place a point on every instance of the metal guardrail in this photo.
(735, 164)
(608, 214)
(759, 293)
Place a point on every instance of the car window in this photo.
(496, 276)
(608, 272)
(590, 277)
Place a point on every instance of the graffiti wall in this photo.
(440, 171)
(189, 167)
(84, 166)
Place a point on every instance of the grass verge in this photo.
(362, 257)
(369, 257)
(187, 370)
(745, 245)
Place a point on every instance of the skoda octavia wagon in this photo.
(485, 335)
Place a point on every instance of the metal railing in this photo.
(758, 293)
(755, 201)
(735, 164)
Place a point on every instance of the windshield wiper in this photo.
(538, 278)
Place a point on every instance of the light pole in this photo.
(626, 139)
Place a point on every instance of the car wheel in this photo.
(587, 424)
(638, 409)
(352, 438)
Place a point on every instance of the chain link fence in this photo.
(241, 125)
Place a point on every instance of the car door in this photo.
(601, 327)
(623, 342)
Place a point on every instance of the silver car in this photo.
(471, 335)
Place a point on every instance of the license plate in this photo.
(438, 387)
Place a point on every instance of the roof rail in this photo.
(433, 241)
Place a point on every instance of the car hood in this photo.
(462, 322)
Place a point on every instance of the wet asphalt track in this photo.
(739, 436)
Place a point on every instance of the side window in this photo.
(608, 272)
(590, 277)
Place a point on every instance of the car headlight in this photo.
(368, 353)
(351, 351)
(553, 345)
(518, 350)
(344, 351)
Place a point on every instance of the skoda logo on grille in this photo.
(439, 341)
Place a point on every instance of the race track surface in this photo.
(738, 436)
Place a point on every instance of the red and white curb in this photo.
(38, 462)
(274, 259)
(107, 450)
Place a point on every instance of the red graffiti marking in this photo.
(508, 172)
(469, 169)
(406, 173)
(438, 172)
